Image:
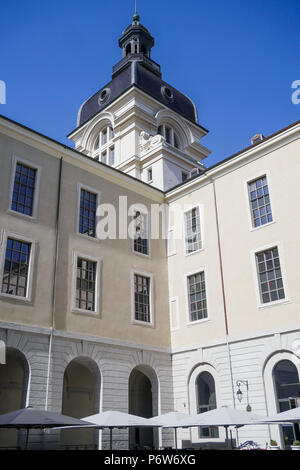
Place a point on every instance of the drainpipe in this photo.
(223, 287)
(52, 307)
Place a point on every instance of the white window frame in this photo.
(172, 132)
(74, 309)
(3, 245)
(141, 209)
(189, 322)
(201, 217)
(249, 180)
(193, 399)
(253, 253)
(97, 153)
(34, 166)
(151, 179)
(81, 186)
(138, 272)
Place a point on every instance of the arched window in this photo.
(286, 381)
(128, 49)
(104, 149)
(169, 134)
(206, 401)
(143, 49)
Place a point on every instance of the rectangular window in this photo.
(104, 137)
(141, 242)
(260, 205)
(269, 276)
(23, 189)
(197, 296)
(16, 268)
(86, 284)
(142, 298)
(87, 215)
(192, 230)
(168, 135)
(149, 174)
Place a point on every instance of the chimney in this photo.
(257, 138)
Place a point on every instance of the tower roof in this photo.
(136, 68)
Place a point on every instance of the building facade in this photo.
(134, 278)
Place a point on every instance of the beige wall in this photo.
(117, 258)
(239, 242)
(118, 261)
(40, 230)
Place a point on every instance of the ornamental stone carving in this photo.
(148, 142)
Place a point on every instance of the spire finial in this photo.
(136, 17)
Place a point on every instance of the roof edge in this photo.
(231, 157)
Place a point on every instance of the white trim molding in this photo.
(131, 229)
(253, 253)
(138, 272)
(194, 374)
(199, 270)
(201, 227)
(80, 187)
(258, 175)
(33, 166)
(3, 245)
(74, 309)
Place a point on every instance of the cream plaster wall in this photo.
(40, 229)
(239, 241)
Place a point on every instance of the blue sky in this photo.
(235, 59)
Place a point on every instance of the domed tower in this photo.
(138, 123)
(136, 39)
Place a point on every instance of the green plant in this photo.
(296, 443)
(273, 443)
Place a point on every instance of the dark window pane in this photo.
(15, 274)
(268, 266)
(86, 284)
(260, 198)
(88, 203)
(24, 187)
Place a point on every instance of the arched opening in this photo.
(143, 49)
(14, 376)
(81, 396)
(287, 387)
(128, 49)
(143, 401)
(206, 401)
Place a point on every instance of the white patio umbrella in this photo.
(174, 419)
(116, 419)
(34, 418)
(224, 416)
(289, 416)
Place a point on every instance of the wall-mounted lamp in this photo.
(239, 392)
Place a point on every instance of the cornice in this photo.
(244, 157)
(56, 149)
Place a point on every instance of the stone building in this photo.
(98, 312)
